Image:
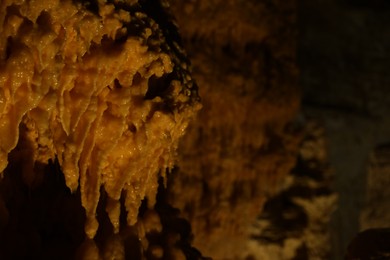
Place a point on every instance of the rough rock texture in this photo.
(99, 91)
(98, 87)
(376, 208)
(294, 223)
(241, 146)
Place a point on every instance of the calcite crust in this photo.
(97, 87)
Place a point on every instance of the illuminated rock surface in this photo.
(99, 89)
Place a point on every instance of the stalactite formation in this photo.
(97, 87)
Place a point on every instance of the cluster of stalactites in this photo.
(76, 81)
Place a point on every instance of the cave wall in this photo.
(245, 139)
(344, 58)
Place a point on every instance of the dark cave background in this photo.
(344, 58)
